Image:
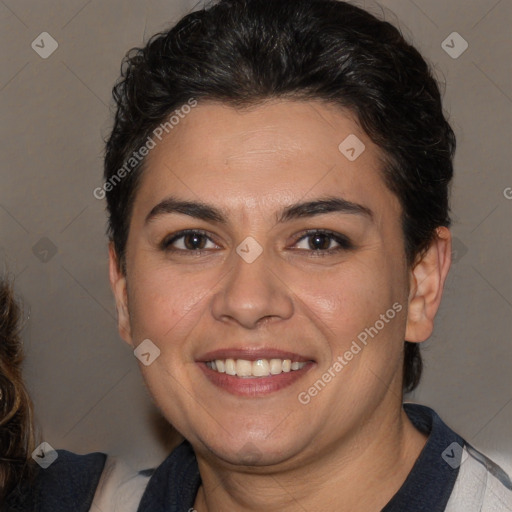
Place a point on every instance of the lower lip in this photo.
(254, 386)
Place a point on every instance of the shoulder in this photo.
(66, 483)
(469, 480)
(481, 485)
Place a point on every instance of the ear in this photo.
(118, 285)
(427, 280)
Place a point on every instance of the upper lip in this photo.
(252, 354)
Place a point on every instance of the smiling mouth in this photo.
(253, 369)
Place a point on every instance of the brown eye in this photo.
(322, 242)
(187, 241)
(194, 241)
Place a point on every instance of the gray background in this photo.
(55, 113)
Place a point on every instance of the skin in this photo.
(273, 453)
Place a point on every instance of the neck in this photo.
(360, 473)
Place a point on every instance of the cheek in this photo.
(164, 304)
(351, 298)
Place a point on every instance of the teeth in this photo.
(230, 367)
(276, 366)
(243, 368)
(258, 368)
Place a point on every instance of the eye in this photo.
(188, 240)
(321, 242)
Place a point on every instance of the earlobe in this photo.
(427, 280)
(118, 285)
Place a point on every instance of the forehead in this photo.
(284, 129)
(261, 157)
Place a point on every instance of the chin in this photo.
(252, 451)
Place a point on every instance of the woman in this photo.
(277, 187)
(277, 184)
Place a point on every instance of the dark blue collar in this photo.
(429, 485)
(174, 484)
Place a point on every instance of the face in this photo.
(255, 242)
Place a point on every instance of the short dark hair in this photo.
(243, 52)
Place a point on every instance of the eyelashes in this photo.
(322, 235)
(195, 242)
(189, 236)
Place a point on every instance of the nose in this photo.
(252, 294)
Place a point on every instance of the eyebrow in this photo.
(206, 212)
